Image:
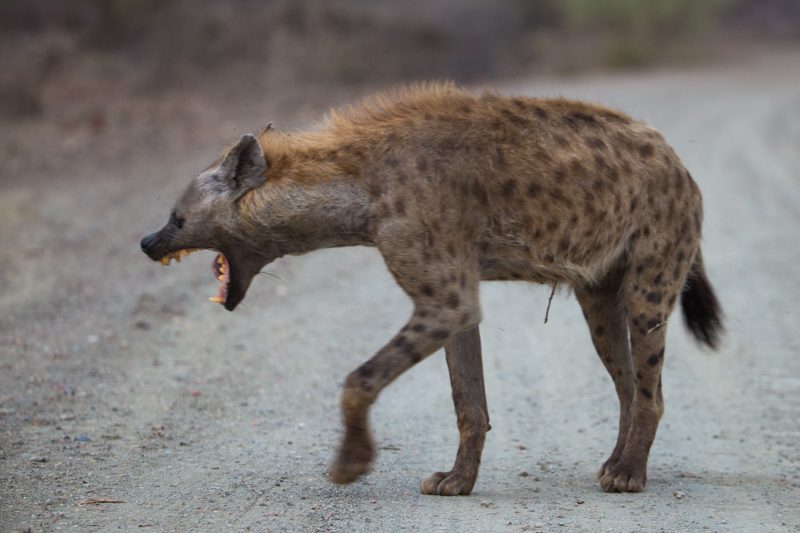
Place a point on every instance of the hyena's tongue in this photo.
(221, 271)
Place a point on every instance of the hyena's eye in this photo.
(176, 220)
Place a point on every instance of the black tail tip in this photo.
(701, 310)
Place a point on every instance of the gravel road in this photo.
(119, 381)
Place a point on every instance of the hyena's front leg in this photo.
(463, 352)
(426, 332)
(445, 295)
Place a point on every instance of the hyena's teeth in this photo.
(220, 260)
(216, 299)
(220, 278)
(222, 268)
(164, 260)
(177, 257)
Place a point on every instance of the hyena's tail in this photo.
(701, 310)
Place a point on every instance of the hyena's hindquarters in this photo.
(701, 309)
(463, 352)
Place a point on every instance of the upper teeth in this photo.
(176, 255)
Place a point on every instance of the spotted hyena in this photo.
(454, 188)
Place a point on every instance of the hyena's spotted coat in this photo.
(453, 189)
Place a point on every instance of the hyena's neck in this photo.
(315, 197)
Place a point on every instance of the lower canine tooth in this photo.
(220, 278)
(164, 261)
(215, 299)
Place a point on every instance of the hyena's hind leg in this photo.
(604, 310)
(653, 286)
(463, 352)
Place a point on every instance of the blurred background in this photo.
(86, 68)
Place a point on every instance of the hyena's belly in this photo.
(556, 254)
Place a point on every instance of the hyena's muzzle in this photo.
(234, 271)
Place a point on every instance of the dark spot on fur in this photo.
(464, 319)
(595, 143)
(600, 162)
(652, 323)
(646, 150)
(400, 342)
(453, 300)
(427, 290)
(659, 279)
(500, 158)
(654, 359)
(576, 167)
(392, 162)
(480, 193)
(365, 372)
(540, 112)
(440, 334)
(400, 206)
(646, 393)
(419, 328)
(508, 188)
(552, 226)
(575, 118)
(654, 297)
(514, 118)
(599, 331)
(561, 140)
(533, 189)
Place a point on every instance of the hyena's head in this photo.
(207, 216)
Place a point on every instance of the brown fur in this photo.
(454, 188)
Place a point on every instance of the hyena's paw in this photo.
(623, 477)
(353, 460)
(447, 484)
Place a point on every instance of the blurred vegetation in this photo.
(228, 45)
(634, 33)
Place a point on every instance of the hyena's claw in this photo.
(610, 463)
(447, 484)
(623, 479)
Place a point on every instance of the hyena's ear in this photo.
(244, 166)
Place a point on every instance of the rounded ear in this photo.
(244, 167)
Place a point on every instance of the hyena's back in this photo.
(550, 190)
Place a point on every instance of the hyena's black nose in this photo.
(147, 242)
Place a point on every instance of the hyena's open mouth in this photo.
(219, 267)
(222, 272)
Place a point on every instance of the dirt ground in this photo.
(119, 381)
